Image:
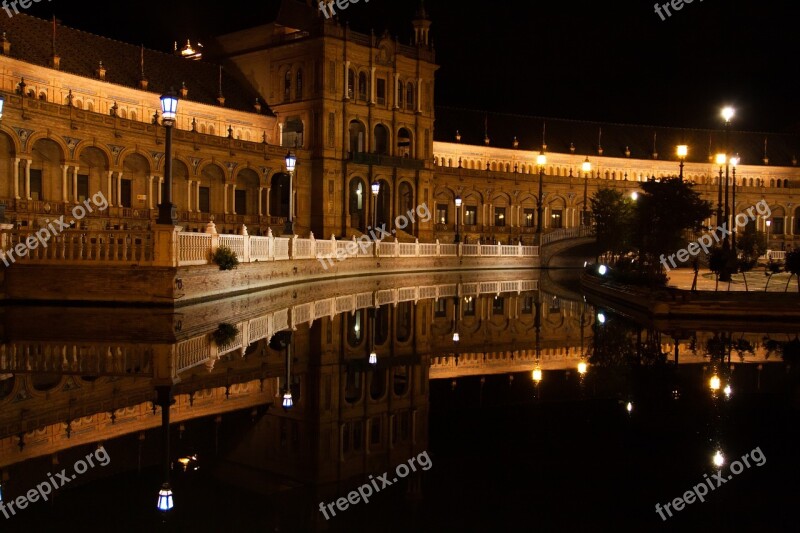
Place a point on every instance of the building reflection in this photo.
(358, 366)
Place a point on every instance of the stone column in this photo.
(160, 190)
(16, 178)
(119, 189)
(150, 191)
(346, 78)
(64, 170)
(110, 189)
(233, 198)
(188, 195)
(75, 184)
(197, 196)
(28, 179)
(225, 197)
(372, 85)
(260, 192)
(419, 95)
(268, 190)
(396, 92)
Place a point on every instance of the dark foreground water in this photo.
(494, 448)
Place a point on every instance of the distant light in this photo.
(727, 390)
(585, 264)
(373, 358)
(727, 113)
(602, 270)
(629, 407)
(683, 151)
(714, 383)
(2, 102)
(586, 166)
(719, 459)
(165, 501)
(291, 162)
(376, 188)
(288, 402)
(769, 223)
(456, 337)
(601, 318)
(582, 367)
(721, 159)
(537, 375)
(735, 160)
(634, 196)
(458, 201)
(541, 159)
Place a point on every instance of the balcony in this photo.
(363, 158)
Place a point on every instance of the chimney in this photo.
(56, 61)
(6, 44)
(184, 90)
(101, 71)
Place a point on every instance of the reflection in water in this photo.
(302, 393)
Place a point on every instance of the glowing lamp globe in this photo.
(683, 151)
(586, 166)
(537, 375)
(721, 159)
(373, 358)
(169, 107)
(718, 459)
(288, 402)
(714, 383)
(291, 161)
(541, 160)
(376, 188)
(727, 113)
(165, 501)
(458, 201)
(582, 368)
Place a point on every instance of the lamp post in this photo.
(727, 114)
(376, 189)
(291, 162)
(734, 163)
(373, 355)
(456, 336)
(768, 223)
(683, 151)
(164, 400)
(721, 160)
(586, 168)
(458, 209)
(541, 161)
(167, 211)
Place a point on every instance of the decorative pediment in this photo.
(385, 55)
(72, 143)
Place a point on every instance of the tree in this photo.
(792, 266)
(750, 245)
(613, 215)
(663, 213)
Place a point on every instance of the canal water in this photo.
(491, 401)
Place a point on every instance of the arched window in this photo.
(785, 184)
(123, 113)
(410, 96)
(404, 148)
(351, 83)
(287, 86)
(43, 96)
(358, 137)
(133, 115)
(298, 87)
(79, 104)
(362, 86)
(381, 140)
(89, 105)
(772, 182)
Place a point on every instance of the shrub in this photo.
(224, 334)
(225, 258)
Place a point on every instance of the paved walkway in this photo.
(756, 281)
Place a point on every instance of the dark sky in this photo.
(612, 60)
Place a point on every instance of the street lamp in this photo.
(727, 114)
(456, 336)
(291, 162)
(2, 103)
(164, 400)
(768, 223)
(376, 190)
(167, 211)
(734, 163)
(458, 208)
(586, 167)
(373, 355)
(721, 160)
(683, 151)
(541, 161)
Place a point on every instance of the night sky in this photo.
(612, 61)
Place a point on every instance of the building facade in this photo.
(358, 110)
